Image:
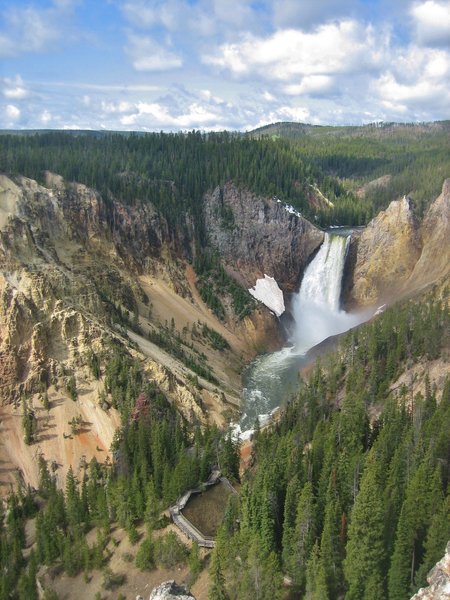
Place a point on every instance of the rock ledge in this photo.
(170, 590)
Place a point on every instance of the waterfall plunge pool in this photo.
(270, 380)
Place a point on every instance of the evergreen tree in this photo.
(364, 550)
(304, 537)
(316, 586)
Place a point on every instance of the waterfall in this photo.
(316, 307)
(271, 378)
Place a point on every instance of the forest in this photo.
(174, 171)
(349, 492)
(413, 158)
(157, 456)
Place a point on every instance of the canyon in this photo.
(78, 277)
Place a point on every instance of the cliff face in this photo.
(439, 581)
(396, 255)
(434, 260)
(258, 236)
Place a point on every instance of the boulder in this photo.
(171, 590)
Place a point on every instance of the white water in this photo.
(271, 379)
(316, 307)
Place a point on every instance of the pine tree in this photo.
(332, 541)
(421, 501)
(437, 538)
(73, 503)
(217, 590)
(316, 586)
(305, 528)
(364, 550)
(290, 508)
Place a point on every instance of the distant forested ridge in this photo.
(173, 171)
(414, 156)
(349, 492)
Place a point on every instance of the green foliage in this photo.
(365, 551)
(111, 580)
(214, 283)
(71, 387)
(414, 157)
(217, 341)
(169, 551)
(351, 507)
(145, 557)
(194, 562)
(50, 594)
(316, 585)
(229, 457)
(29, 422)
(175, 345)
(93, 364)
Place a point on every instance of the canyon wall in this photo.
(396, 254)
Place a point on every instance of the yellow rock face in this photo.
(396, 255)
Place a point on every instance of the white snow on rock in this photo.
(267, 291)
(290, 209)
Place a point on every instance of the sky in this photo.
(153, 65)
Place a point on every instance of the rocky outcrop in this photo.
(169, 590)
(258, 236)
(66, 260)
(434, 260)
(396, 255)
(439, 581)
(72, 211)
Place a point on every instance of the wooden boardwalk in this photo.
(184, 524)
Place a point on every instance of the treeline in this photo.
(156, 457)
(349, 495)
(173, 171)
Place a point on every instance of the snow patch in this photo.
(290, 209)
(287, 207)
(267, 291)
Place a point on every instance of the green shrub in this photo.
(169, 551)
(145, 557)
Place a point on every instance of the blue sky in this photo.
(221, 64)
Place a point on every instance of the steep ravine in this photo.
(71, 267)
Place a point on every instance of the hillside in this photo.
(347, 493)
(125, 323)
(378, 162)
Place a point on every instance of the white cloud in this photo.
(33, 29)
(311, 84)
(12, 112)
(46, 117)
(155, 115)
(295, 13)
(146, 14)
(432, 22)
(120, 107)
(334, 48)
(147, 55)
(13, 88)
(416, 84)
